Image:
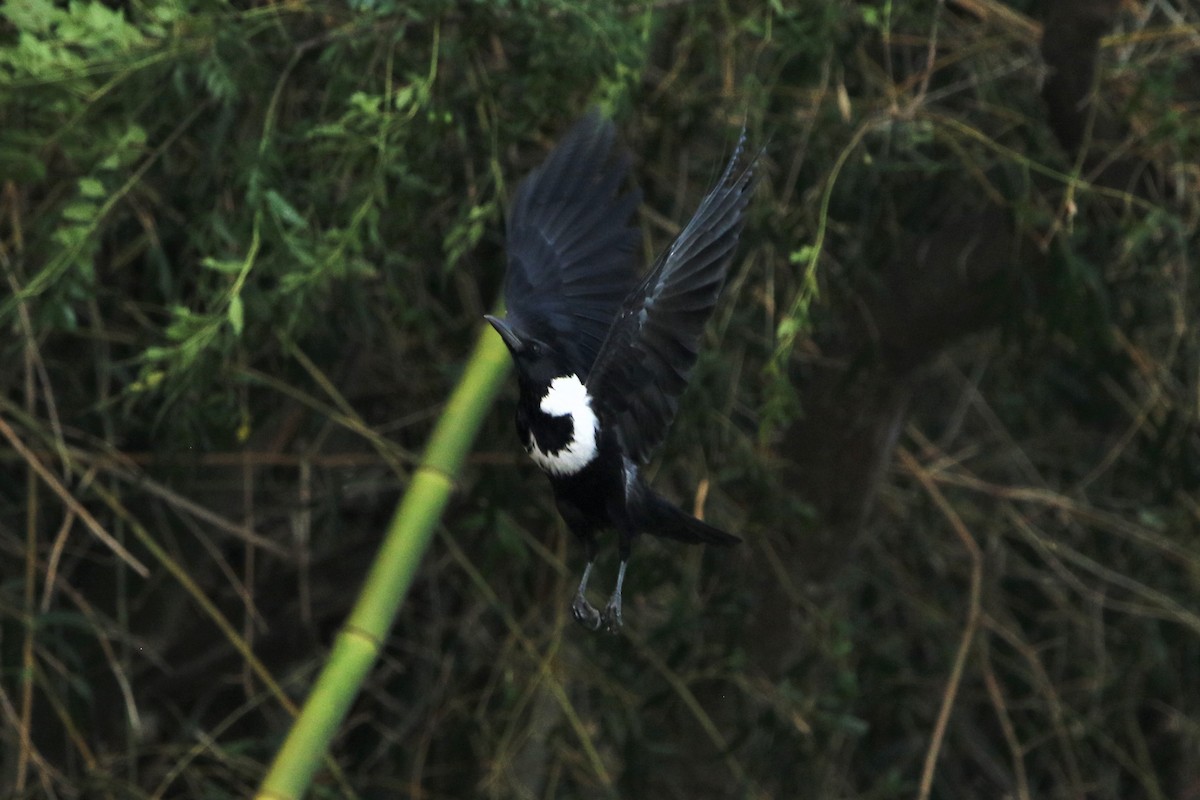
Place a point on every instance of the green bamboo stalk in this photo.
(357, 644)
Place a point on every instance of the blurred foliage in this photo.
(245, 249)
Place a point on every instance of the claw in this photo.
(585, 614)
(611, 618)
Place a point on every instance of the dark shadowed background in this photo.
(950, 399)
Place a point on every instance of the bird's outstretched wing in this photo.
(571, 248)
(643, 364)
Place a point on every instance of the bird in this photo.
(601, 356)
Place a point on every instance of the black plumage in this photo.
(571, 248)
(602, 357)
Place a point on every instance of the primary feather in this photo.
(571, 248)
(644, 362)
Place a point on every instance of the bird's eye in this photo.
(535, 348)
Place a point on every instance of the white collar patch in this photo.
(568, 397)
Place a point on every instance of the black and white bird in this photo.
(602, 357)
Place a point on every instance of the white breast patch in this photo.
(568, 397)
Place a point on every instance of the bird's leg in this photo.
(611, 618)
(583, 611)
(612, 610)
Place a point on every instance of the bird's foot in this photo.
(585, 614)
(611, 618)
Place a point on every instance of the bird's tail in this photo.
(661, 518)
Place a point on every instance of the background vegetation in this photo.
(245, 252)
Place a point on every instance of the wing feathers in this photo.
(571, 248)
(571, 251)
(644, 362)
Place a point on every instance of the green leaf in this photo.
(152, 379)
(80, 211)
(367, 104)
(801, 256)
(90, 187)
(404, 98)
(236, 314)
(32, 16)
(283, 210)
(223, 265)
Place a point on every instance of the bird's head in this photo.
(537, 361)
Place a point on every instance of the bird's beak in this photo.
(507, 333)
